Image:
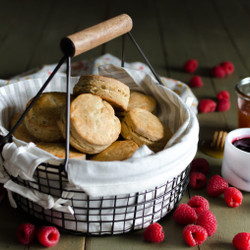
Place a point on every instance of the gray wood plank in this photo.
(145, 31)
(219, 47)
(23, 36)
(235, 18)
(65, 18)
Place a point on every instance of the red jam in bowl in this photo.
(242, 143)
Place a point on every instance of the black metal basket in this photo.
(94, 215)
(102, 215)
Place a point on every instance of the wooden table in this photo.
(169, 32)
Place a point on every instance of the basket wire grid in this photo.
(94, 215)
(102, 215)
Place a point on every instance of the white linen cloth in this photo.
(91, 66)
(112, 178)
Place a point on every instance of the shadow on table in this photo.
(201, 71)
(221, 245)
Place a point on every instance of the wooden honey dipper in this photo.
(215, 148)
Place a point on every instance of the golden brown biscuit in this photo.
(143, 127)
(58, 149)
(21, 132)
(41, 120)
(109, 89)
(117, 151)
(139, 100)
(93, 124)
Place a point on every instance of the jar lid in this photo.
(243, 88)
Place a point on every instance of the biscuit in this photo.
(143, 101)
(117, 151)
(93, 124)
(41, 120)
(21, 131)
(109, 89)
(58, 150)
(143, 127)
(140, 100)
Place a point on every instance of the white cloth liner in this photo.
(44, 200)
(91, 66)
(145, 170)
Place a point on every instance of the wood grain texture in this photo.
(96, 35)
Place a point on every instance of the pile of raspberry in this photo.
(215, 186)
(198, 221)
(207, 105)
(223, 103)
(47, 236)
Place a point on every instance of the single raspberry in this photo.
(223, 95)
(191, 65)
(154, 233)
(197, 180)
(233, 197)
(184, 215)
(200, 165)
(206, 105)
(194, 235)
(199, 204)
(241, 241)
(208, 221)
(218, 71)
(216, 185)
(196, 82)
(223, 105)
(228, 67)
(48, 236)
(25, 233)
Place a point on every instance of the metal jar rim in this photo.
(238, 90)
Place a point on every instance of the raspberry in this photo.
(233, 197)
(154, 233)
(242, 241)
(200, 165)
(196, 82)
(208, 221)
(206, 105)
(194, 235)
(191, 65)
(185, 215)
(228, 67)
(25, 233)
(218, 71)
(216, 186)
(199, 204)
(197, 180)
(223, 105)
(223, 95)
(48, 236)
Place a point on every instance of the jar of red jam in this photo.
(243, 102)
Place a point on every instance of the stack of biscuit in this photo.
(96, 132)
(93, 124)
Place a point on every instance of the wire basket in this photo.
(103, 215)
(114, 214)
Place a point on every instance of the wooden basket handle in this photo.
(96, 35)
